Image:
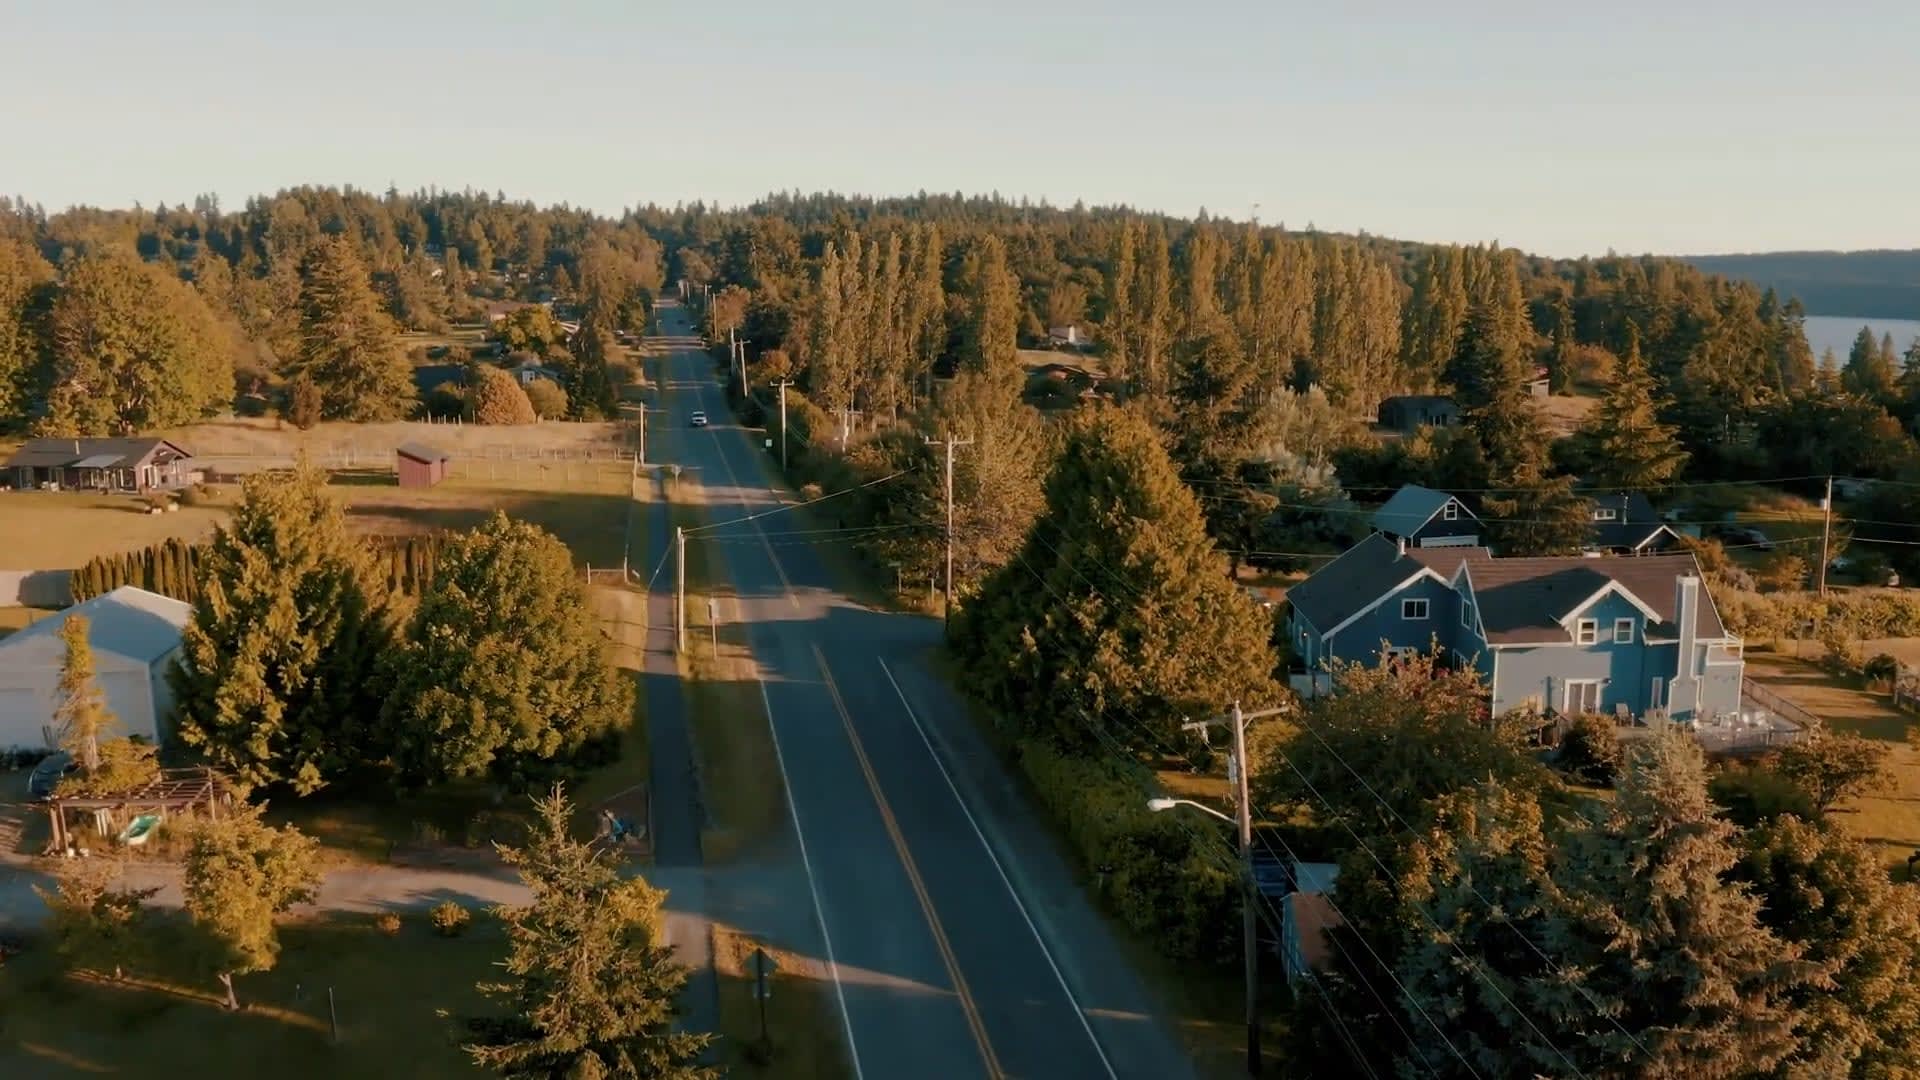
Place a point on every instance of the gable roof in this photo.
(86, 453)
(1525, 601)
(422, 452)
(1366, 574)
(1634, 521)
(1411, 507)
(128, 621)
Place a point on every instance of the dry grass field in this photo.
(60, 530)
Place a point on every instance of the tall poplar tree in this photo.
(80, 712)
(1153, 308)
(25, 281)
(991, 346)
(275, 681)
(347, 342)
(1120, 329)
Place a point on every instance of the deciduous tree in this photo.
(97, 925)
(80, 712)
(496, 397)
(239, 874)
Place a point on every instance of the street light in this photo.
(1248, 891)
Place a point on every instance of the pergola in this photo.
(176, 789)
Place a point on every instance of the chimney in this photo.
(1684, 691)
(1402, 541)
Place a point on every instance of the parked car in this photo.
(46, 775)
(1742, 536)
(699, 419)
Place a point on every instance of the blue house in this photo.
(1625, 523)
(1561, 634)
(1427, 518)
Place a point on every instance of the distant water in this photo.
(1837, 332)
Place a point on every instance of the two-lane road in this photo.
(959, 942)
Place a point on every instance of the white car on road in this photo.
(699, 419)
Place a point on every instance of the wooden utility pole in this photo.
(1249, 889)
(950, 443)
(680, 588)
(1826, 533)
(784, 383)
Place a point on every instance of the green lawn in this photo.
(398, 999)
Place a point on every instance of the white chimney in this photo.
(1684, 692)
(1402, 541)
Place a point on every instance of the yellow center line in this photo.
(940, 941)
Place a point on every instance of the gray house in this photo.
(1427, 518)
(135, 465)
(1411, 412)
(1625, 523)
(1562, 634)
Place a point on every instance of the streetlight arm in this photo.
(1157, 805)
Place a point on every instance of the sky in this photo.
(1679, 127)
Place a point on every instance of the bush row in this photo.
(1148, 869)
(172, 567)
(1857, 614)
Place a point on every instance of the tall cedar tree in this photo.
(1627, 447)
(133, 348)
(1117, 610)
(275, 679)
(501, 673)
(1828, 894)
(1651, 937)
(80, 712)
(25, 285)
(240, 873)
(347, 342)
(590, 990)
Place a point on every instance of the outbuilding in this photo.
(135, 636)
(420, 466)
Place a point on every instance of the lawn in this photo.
(267, 438)
(62, 530)
(587, 508)
(801, 1002)
(19, 618)
(397, 999)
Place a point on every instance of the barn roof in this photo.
(129, 622)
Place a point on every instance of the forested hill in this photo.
(1870, 284)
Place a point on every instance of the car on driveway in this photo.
(699, 419)
(1742, 536)
(47, 774)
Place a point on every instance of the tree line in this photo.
(172, 567)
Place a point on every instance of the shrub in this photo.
(498, 399)
(1844, 654)
(449, 918)
(387, 923)
(195, 495)
(303, 401)
(1756, 794)
(548, 400)
(445, 401)
(1591, 750)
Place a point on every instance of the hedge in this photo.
(1859, 614)
(172, 568)
(1159, 874)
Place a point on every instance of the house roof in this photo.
(1421, 401)
(1634, 523)
(86, 453)
(1411, 507)
(1366, 572)
(1523, 601)
(422, 453)
(129, 622)
(1312, 915)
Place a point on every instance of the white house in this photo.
(135, 636)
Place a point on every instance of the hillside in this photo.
(1870, 284)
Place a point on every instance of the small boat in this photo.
(139, 829)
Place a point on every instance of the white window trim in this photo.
(1657, 693)
(1406, 609)
(1450, 512)
(1466, 614)
(1606, 513)
(1623, 623)
(1586, 632)
(1566, 697)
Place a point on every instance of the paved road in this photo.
(962, 945)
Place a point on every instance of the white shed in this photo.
(135, 636)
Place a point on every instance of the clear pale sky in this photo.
(1684, 126)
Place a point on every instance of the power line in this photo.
(785, 507)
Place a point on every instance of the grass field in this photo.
(19, 618)
(264, 437)
(801, 1001)
(61, 530)
(398, 1000)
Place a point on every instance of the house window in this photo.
(1605, 513)
(1413, 609)
(1450, 512)
(1583, 696)
(1623, 631)
(1586, 631)
(1466, 615)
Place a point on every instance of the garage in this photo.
(135, 636)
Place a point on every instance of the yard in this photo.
(61, 530)
(19, 618)
(399, 1000)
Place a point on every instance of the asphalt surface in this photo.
(959, 941)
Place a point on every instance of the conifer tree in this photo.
(1560, 359)
(590, 990)
(1870, 371)
(347, 342)
(1627, 446)
(274, 680)
(1665, 966)
(80, 712)
(25, 279)
(501, 673)
(1117, 606)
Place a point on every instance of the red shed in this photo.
(420, 466)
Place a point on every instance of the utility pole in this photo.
(1249, 890)
(783, 425)
(950, 443)
(680, 588)
(1826, 534)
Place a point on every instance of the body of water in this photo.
(1837, 332)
